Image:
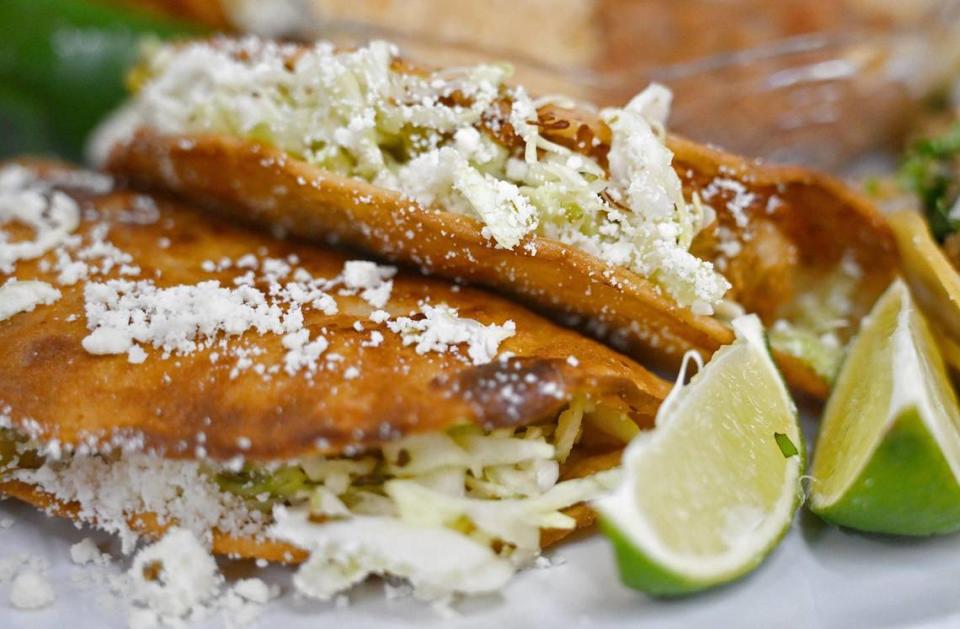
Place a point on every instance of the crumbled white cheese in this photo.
(507, 214)
(302, 353)
(136, 355)
(344, 111)
(31, 590)
(35, 201)
(108, 493)
(78, 260)
(174, 319)
(124, 315)
(364, 274)
(737, 204)
(373, 280)
(29, 200)
(85, 551)
(376, 339)
(175, 578)
(442, 330)
(17, 296)
(379, 295)
(379, 316)
(244, 602)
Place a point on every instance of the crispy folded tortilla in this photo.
(232, 397)
(794, 232)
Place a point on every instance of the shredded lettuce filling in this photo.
(497, 487)
(455, 511)
(822, 352)
(451, 512)
(820, 323)
(459, 139)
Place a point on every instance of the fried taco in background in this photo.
(598, 217)
(924, 200)
(159, 367)
(739, 79)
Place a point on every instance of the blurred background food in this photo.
(62, 68)
(818, 82)
(810, 81)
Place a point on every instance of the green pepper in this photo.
(62, 68)
(253, 483)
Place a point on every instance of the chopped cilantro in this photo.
(932, 171)
(786, 446)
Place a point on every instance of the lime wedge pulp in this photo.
(888, 454)
(708, 493)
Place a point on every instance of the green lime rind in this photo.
(907, 488)
(639, 572)
(645, 560)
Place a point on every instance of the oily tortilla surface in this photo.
(52, 388)
(801, 228)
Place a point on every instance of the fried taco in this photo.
(924, 200)
(596, 216)
(159, 367)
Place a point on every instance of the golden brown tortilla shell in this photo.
(822, 219)
(59, 391)
(816, 217)
(49, 383)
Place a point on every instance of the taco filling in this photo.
(160, 368)
(477, 499)
(458, 139)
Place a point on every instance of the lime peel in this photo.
(891, 466)
(708, 493)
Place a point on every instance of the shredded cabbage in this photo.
(451, 512)
(515, 521)
(822, 352)
(438, 138)
(818, 325)
(492, 486)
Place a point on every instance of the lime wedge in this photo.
(928, 272)
(888, 454)
(708, 493)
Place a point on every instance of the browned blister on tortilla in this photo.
(183, 405)
(801, 226)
